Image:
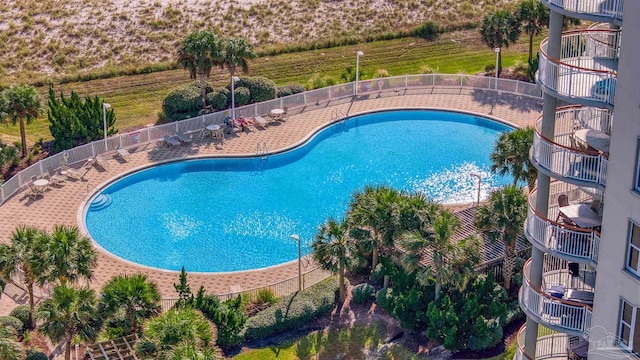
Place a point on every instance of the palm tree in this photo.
(10, 348)
(534, 17)
(501, 219)
(236, 54)
(451, 263)
(510, 155)
(21, 103)
(70, 312)
(70, 255)
(199, 53)
(333, 249)
(25, 257)
(500, 29)
(374, 215)
(133, 295)
(180, 334)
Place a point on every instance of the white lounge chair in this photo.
(123, 154)
(55, 178)
(78, 174)
(184, 138)
(259, 120)
(102, 162)
(170, 141)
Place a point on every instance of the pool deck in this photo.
(60, 205)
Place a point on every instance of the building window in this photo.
(637, 185)
(633, 261)
(629, 332)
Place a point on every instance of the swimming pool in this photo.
(218, 215)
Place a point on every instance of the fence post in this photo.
(406, 82)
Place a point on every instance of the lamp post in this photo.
(105, 106)
(497, 50)
(358, 54)
(297, 238)
(233, 98)
(479, 184)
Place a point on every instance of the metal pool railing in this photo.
(400, 85)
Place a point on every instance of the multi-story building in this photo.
(581, 288)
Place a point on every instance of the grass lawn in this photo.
(137, 99)
(327, 344)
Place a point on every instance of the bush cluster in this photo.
(362, 293)
(13, 323)
(290, 89)
(181, 103)
(293, 311)
(22, 313)
(36, 355)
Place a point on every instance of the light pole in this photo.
(358, 54)
(233, 98)
(479, 184)
(297, 238)
(105, 106)
(497, 50)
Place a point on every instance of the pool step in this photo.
(100, 202)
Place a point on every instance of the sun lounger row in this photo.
(176, 140)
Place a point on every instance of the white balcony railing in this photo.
(559, 314)
(605, 9)
(549, 345)
(586, 70)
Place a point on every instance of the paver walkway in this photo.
(60, 206)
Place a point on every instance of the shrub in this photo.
(362, 293)
(12, 323)
(242, 96)
(377, 276)
(266, 296)
(381, 73)
(22, 313)
(181, 104)
(293, 311)
(428, 30)
(318, 81)
(36, 355)
(195, 85)
(383, 297)
(261, 89)
(219, 98)
(290, 89)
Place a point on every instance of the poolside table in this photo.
(581, 215)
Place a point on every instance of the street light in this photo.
(497, 50)
(105, 106)
(358, 54)
(297, 238)
(233, 99)
(479, 184)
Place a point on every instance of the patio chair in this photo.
(563, 200)
(55, 178)
(32, 192)
(78, 174)
(183, 138)
(102, 162)
(123, 154)
(285, 114)
(170, 141)
(595, 206)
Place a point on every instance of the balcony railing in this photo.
(550, 235)
(562, 157)
(562, 315)
(550, 344)
(597, 10)
(586, 70)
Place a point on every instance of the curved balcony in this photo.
(552, 235)
(586, 71)
(549, 345)
(552, 304)
(609, 11)
(568, 156)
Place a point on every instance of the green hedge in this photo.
(219, 98)
(293, 311)
(13, 323)
(23, 314)
(362, 293)
(242, 96)
(182, 103)
(290, 89)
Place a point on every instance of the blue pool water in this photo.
(216, 215)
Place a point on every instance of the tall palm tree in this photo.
(451, 263)
(333, 249)
(534, 17)
(21, 103)
(70, 255)
(10, 348)
(70, 312)
(500, 29)
(374, 214)
(133, 295)
(510, 155)
(237, 53)
(502, 219)
(199, 53)
(180, 332)
(25, 256)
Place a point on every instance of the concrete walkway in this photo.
(60, 206)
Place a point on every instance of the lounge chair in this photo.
(183, 138)
(261, 121)
(170, 141)
(78, 174)
(123, 154)
(102, 162)
(55, 178)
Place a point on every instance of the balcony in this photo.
(609, 11)
(554, 234)
(586, 71)
(563, 302)
(579, 150)
(550, 345)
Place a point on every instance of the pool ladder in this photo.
(337, 115)
(262, 150)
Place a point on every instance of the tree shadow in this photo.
(493, 98)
